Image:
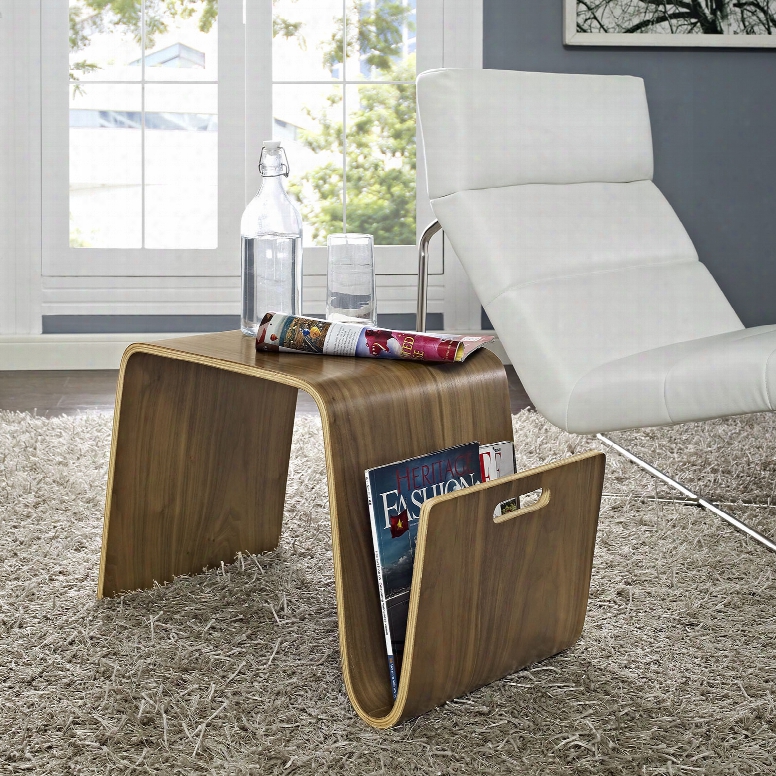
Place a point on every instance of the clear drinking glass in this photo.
(350, 283)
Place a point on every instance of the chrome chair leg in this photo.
(692, 497)
(425, 239)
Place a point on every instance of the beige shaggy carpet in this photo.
(236, 671)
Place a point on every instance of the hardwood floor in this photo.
(51, 393)
(518, 398)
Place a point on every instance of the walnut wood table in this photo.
(198, 467)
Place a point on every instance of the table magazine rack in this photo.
(199, 460)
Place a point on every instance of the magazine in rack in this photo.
(396, 492)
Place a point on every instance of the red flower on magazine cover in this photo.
(399, 524)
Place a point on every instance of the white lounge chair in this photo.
(543, 184)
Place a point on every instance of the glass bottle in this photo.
(271, 236)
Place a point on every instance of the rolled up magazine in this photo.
(280, 332)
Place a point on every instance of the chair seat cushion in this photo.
(727, 374)
(542, 183)
(598, 297)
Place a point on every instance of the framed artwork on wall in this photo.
(699, 23)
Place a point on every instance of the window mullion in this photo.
(142, 125)
(344, 117)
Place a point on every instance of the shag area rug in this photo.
(236, 670)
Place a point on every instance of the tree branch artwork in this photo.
(670, 18)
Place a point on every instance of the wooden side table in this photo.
(199, 460)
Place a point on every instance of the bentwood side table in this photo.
(198, 467)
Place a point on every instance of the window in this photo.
(343, 102)
(143, 136)
(344, 85)
(153, 117)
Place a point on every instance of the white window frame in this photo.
(81, 281)
(457, 31)
(20, 170)
(58, 257)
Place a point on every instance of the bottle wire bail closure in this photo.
(284, 168)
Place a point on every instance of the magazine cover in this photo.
(498, 460)
(396, 493)
(312, 335)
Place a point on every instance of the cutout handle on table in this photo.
(537, 499)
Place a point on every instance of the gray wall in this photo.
(714, 131)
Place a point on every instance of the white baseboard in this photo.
(93, 351)
(68, 351)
